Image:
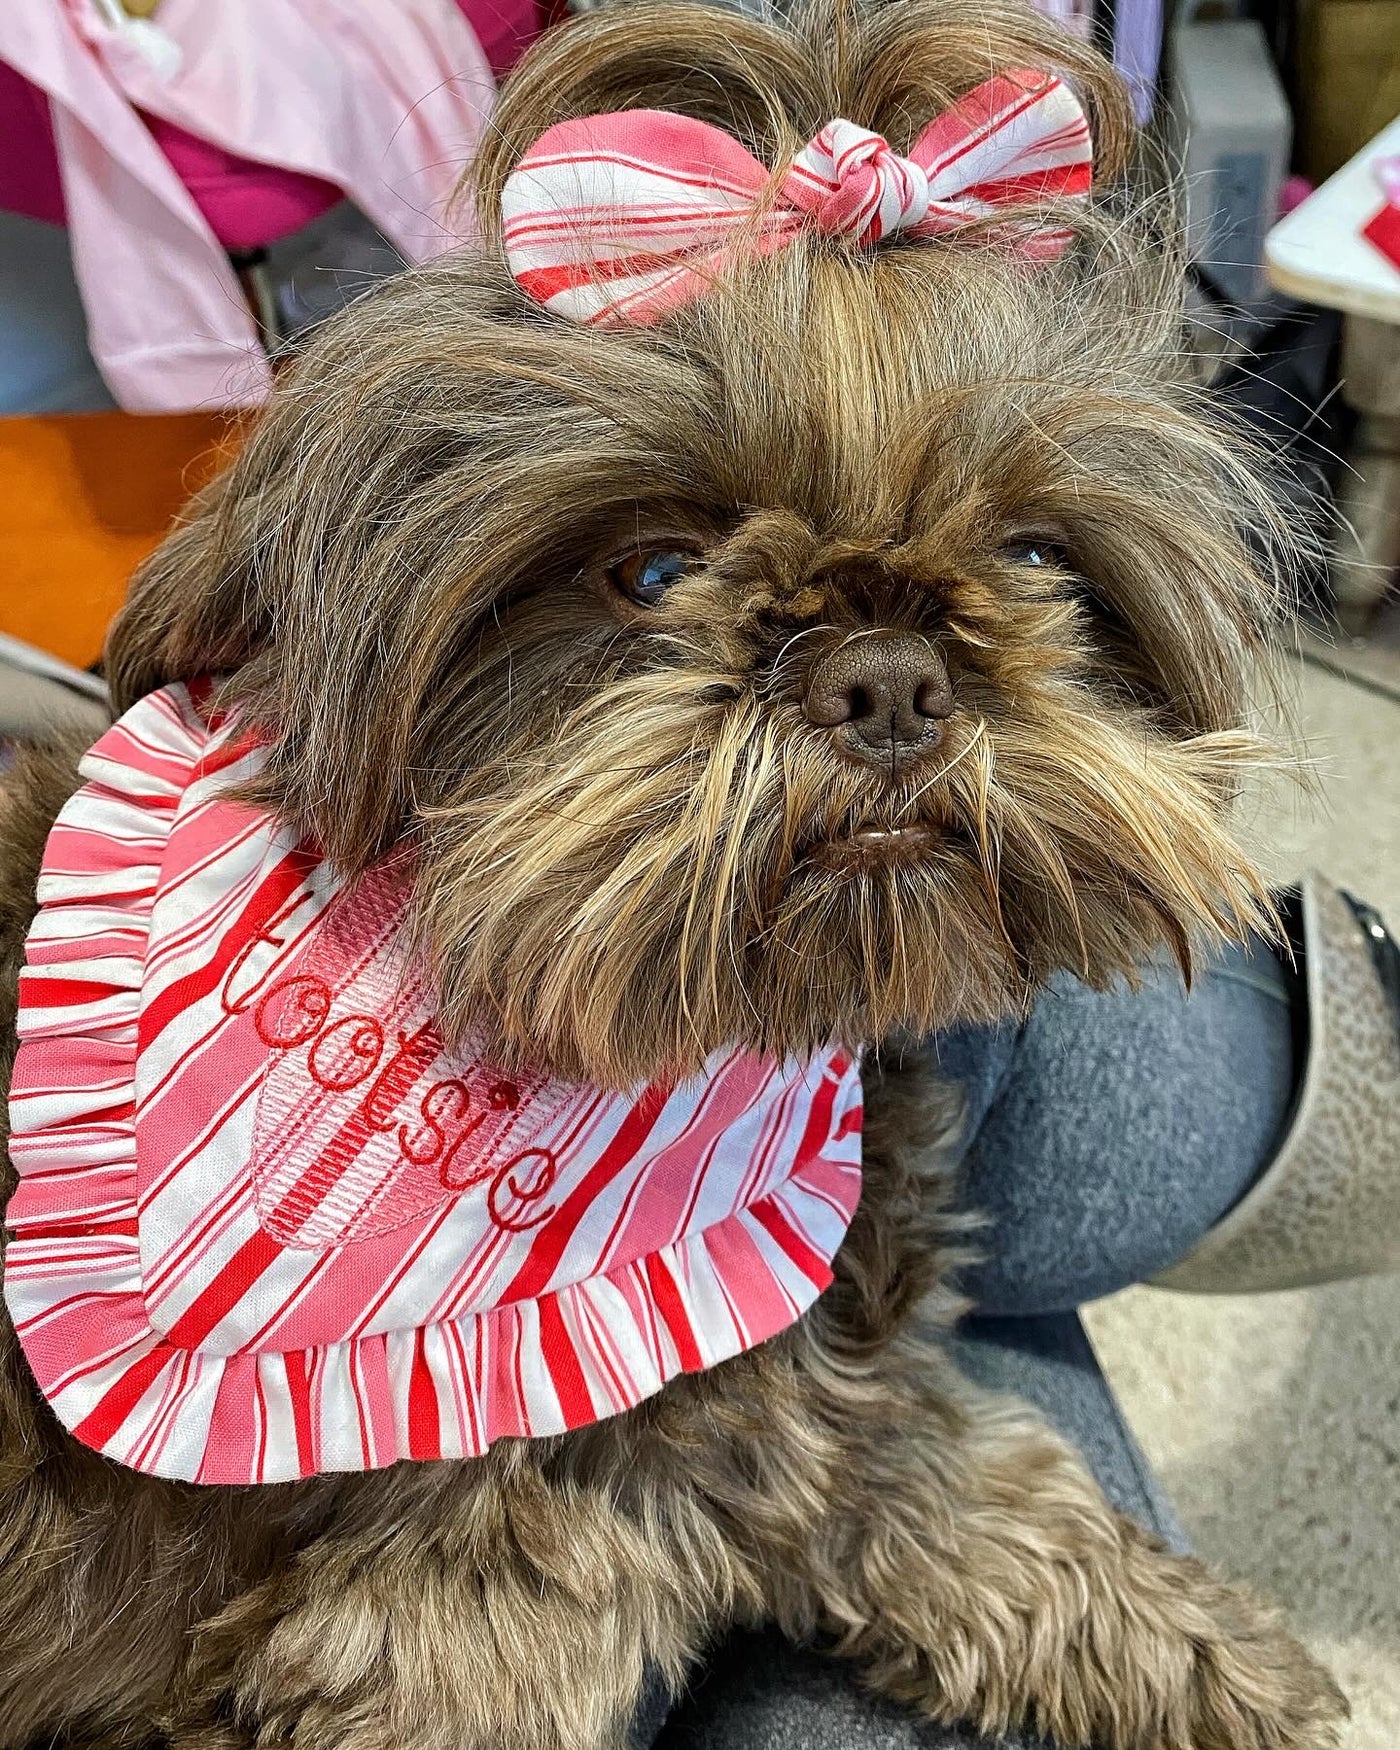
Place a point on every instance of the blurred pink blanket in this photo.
(383, 98)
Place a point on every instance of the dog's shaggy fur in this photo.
(633, 846)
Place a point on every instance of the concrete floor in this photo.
(1274, 1421)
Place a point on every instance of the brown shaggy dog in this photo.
(643, 830)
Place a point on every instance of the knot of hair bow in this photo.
(621, 218)
(851, 184)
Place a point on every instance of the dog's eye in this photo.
(1038, 555)
(646, 576)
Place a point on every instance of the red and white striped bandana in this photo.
(268, 1224)
(621, 218)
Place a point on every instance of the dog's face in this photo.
(849, 654)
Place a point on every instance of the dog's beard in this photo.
(665, 876)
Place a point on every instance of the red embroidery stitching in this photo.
(416, 1051)
(235, 1002)
(344, 1053)
(307, 1002)
(444, 1103)
(546, 1172)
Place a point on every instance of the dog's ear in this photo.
(306, 574)
(189, 609)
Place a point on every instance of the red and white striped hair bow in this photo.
(621, 218)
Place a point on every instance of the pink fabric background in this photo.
(388, 117)
(247, 204)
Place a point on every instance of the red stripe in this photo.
(104, 1116)
(561, 225)
(817, 1130)
(982, 125)
(565, 1373)
(533, 1275)
(125, 894)
(1061, 179)
(78, 1228)
(210, 1221)
(103, 1421)
(299, 1391)
(672, 1309)
(544, 283)
(424, 1431)
(36, 992)
(226, 754)
(589, 152)
(259, 1420)
(603, 1345)
(283, 880)
(812, 1264)
(257, 1254)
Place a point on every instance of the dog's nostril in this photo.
(935, 696)
(830, 701)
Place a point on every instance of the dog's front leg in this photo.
(973, 1569)
(509, 1612)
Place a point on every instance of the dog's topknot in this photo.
(889, 67)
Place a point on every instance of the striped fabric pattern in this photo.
(269, 1223)
(624, 217)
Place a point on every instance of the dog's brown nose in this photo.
(884, 695)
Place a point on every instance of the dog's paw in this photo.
(1208, 1666)
(1258, 1688)
(1171, 1657)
